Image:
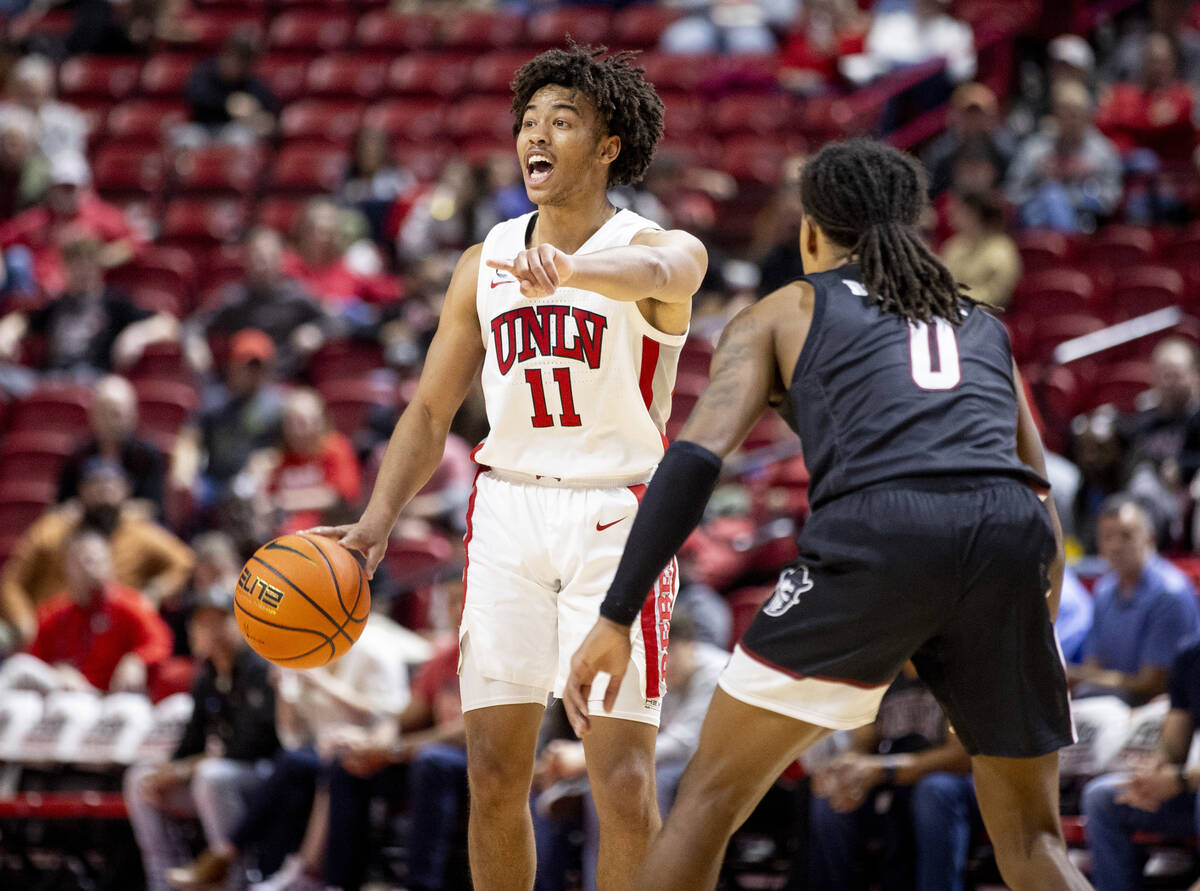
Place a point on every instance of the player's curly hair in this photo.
(624, 99)
(868, 197)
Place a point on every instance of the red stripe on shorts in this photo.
(467, 535)
(656, 612)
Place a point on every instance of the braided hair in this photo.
(625, 101)
(868, 197)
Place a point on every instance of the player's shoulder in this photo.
(793, 301)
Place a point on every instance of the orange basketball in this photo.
(302, 601)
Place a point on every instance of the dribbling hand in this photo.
(606, 648)
(540, 271)
(371, 543)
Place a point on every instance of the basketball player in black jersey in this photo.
(927, 540)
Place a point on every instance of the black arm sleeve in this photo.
(672, 508)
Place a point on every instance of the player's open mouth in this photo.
(538, 168)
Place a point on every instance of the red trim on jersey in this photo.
(467, 535)
(650, 348)
(762, 660)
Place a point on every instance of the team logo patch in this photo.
(792, 583)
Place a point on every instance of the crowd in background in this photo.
(295, 362)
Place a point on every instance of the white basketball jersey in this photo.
(577, 385)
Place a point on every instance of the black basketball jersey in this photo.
(876, 398)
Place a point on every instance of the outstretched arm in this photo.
(663, 266)
(417, 443)
(743, 371)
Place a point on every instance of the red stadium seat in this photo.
(169, 268)
(310, 30)
(35, 455)
(347, 75)
(278, 213)
(748, 114)
(671, 72)
(335, 121)
(493, 72)
(22, 502)
(589, 26)
(424, 74)
(164, 406)
(1121, 384)
(384, 32)
(480, 117)
(754, 158)
(218, 169)
(422, 161)
(478, 151)
(696, 357)
(61, 408)
(1185, 245)
(161, 361)
(1053, 330)
(483, 31)
(166, 74)
(144, 120)
(1143, 289)
(1056, 291)
(128, 168)
(1059, 394)
(308, 168)
(412, 120)
(1041, 249)
(350, 400)
(285, 75)
(685, 116)
(1118, 246)
(209, 29)
(106, 77)
(340, 359)
(640, 27)
(203, 222)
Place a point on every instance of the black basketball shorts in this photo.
(951, 573)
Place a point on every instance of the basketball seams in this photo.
(337, 587)
(332, 621)
(326, 640)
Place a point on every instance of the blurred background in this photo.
(226, 229)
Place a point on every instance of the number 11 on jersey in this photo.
(541, 417)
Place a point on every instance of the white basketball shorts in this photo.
(540, 555)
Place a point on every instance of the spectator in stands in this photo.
(905, 770)
(502, 196)
(112, 27)
(1155, 112)
(240, 416)
(222, 759)
(1075, 610)
(1144, 609)
(1068, 175)
(318, 260)
(267, 300)
(314, 476)
(777, 231)
(373, 180)
(98, 634)
(226, 101)
(217, 566)
(726, 26)
(824, 32)
(1158, 795)
(24, 171)
(1166, 17)
(69, 213)
(114, 416)
(980, 254)
(435, 216)
(1099, 453)
(316, 710)
(145, 556)
(61, 128)
(692, 672)
(90, 328)
(911, 35)
(429, 741)
(974, 120)
(1068, 58)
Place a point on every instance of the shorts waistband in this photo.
(554, 482)
(966, 482)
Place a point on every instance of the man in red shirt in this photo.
(1156, 113)
(98, 634)
(70, 211)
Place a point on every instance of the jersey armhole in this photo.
(804, 360)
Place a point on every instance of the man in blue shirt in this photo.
(1145, 608)
(1075, 608)
(1159, 795)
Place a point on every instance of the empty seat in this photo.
(166, 74)
(333, 120)
(386, 32)
(203, 222)
(161, 361)
(308, 168)
(480, 117)
(1054, 330)
(1120, 384)
(35, 455)
(164, 405)
(424, 74)
(22, 502)
(106, 77)
(128, 168)
(145, 120)
(412, 120)
(218, 169)
(279, 213)
(340, 359)
(285, 75)
(685, 115)
(210, 28)
(347, 75)
(750, 114)
(161, 266)
(310, 30)
(1042, 249)
(1118, 246)
(482, 30)
(670, 72)
(62, 408)
(493, 72)
(351, 400)
(1143, 289)
(587, 25)
(640, 27)
(753, 158)
(1056, 291)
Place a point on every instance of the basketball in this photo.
(302, 601)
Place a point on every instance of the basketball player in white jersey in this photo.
(576, 314)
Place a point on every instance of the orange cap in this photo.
(250, 345)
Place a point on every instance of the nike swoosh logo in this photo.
(503, 281)
(600, 528)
